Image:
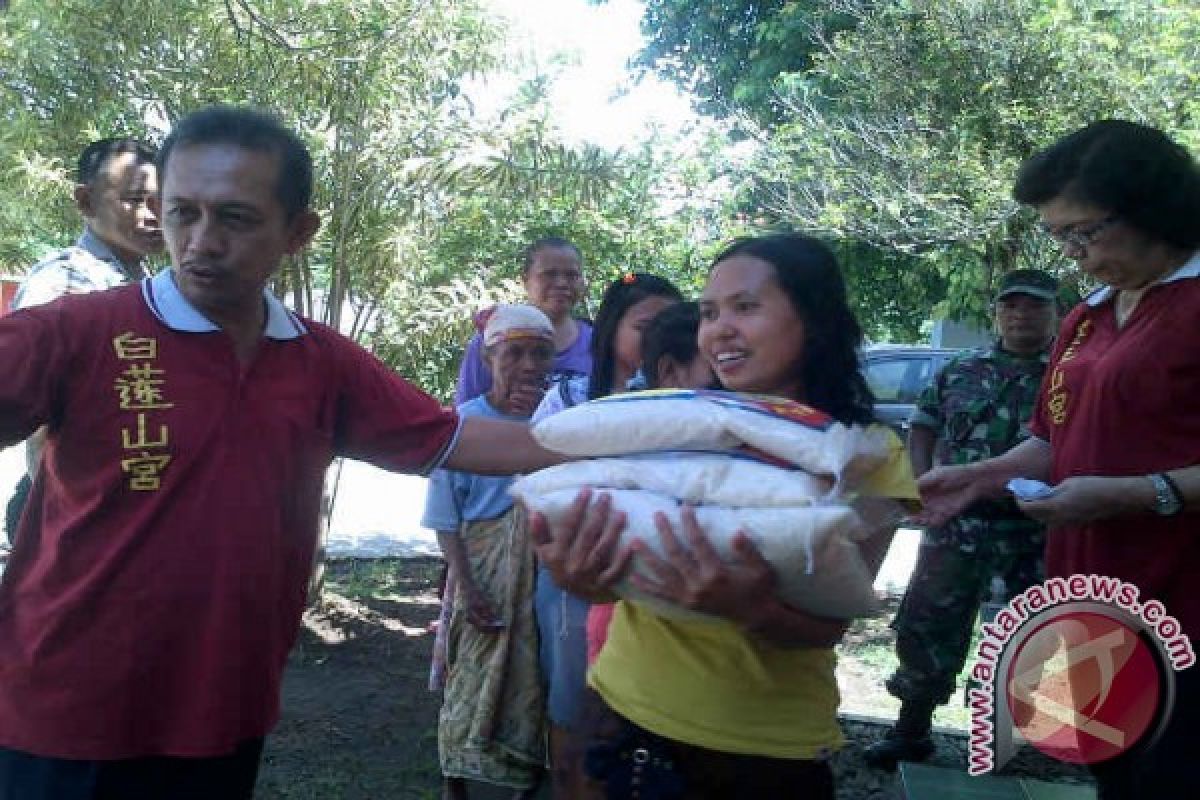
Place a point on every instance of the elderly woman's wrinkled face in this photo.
(519, 369)
(1103, 246)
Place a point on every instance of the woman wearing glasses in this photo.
(1117, 428)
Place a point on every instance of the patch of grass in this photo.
(867, 656)
(380, 578)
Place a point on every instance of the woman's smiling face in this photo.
(749, 331)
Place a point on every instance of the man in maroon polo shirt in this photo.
(160, 571)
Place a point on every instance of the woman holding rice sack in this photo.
(744, 706)
(628, 305)
(492, 723)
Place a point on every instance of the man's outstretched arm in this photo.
(496, 447)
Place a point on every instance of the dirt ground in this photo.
(360, 724)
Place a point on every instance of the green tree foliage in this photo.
(649, 210)
(370, 84)
(907, 132)
(736, 58)
(425, 207)
(730, 54)
(895, 126)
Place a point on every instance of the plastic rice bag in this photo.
(696, 478)
(637, 422)
(705, 420)
(813, 549)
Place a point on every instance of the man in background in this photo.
(977, 408)
(115, 179)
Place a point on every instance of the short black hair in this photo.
(97, 154)
(545, 243)
(250, 129)
(809, 275)
(1131, 170)
(621, 295)
(672, 333)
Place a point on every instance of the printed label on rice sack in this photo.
(802, 435)
(776, 407)
(772, 428)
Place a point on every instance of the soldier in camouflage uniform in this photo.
(976, 408)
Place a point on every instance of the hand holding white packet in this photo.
(1028, 489)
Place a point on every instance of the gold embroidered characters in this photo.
(1058, 395)
(141, 442)
(144, 471)
(131, 347)
(140, 387)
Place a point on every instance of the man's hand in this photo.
(946, 492)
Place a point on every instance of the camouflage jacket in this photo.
(89, 266)
(979, 406)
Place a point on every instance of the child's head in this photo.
(774, 320)
(670, 355)
(629, 303)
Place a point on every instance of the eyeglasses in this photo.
(1081, 238)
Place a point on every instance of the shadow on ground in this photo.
(359, 722)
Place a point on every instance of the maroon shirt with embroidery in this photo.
(1120, 402)
(161, 567)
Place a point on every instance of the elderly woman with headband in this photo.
(491, 726)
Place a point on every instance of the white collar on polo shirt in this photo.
(173, 309)
(1190, 269)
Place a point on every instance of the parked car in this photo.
(897, 374)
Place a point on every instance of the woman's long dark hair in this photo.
(621, 295)
(809, 275)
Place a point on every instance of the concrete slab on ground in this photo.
(925, 782)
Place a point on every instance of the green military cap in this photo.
(1029, 281)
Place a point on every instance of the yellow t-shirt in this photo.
(709, 684)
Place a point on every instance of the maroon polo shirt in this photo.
(1120, 402)
(161, 567)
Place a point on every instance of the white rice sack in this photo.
(681, 419)
(697, 478)
(802, 436)
(813, 549)
(636, 422)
